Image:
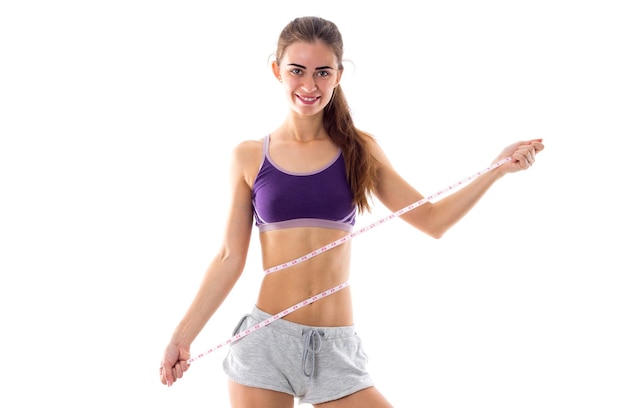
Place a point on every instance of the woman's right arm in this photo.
(222, 273)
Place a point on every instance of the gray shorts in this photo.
(314, 364)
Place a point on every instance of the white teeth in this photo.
(307, 99)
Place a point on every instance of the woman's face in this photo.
(309, 74)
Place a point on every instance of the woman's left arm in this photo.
(436, 218)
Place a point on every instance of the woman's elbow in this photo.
(233, 261)
(430, 230)
(437, 236)
(435, 233)
(426, 224)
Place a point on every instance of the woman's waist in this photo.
(298, 329)
(325, 301)
(297, 269)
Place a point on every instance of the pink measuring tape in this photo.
(332, 245)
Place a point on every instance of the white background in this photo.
(117, 120)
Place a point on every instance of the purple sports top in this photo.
(284, 199)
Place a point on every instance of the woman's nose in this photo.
(308, 84)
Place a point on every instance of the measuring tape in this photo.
(334, 244)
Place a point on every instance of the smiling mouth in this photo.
(308, 99)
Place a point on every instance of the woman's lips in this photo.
(308, 100)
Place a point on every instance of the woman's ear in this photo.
(339, 74)
(276, 71)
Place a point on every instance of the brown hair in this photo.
(360, 163)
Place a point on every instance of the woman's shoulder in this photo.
(375, 148)
(247, 156)
(247, 149)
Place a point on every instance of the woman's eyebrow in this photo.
(303, 67)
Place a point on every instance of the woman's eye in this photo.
(296, 71)
(323, 73)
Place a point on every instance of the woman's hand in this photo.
(174, 364)
(522, 155)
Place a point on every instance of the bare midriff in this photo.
(287, 287)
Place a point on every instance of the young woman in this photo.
(303, 185)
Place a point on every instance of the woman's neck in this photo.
(301, 129)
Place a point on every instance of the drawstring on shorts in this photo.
(312, 346)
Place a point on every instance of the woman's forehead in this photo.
(310, 55)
